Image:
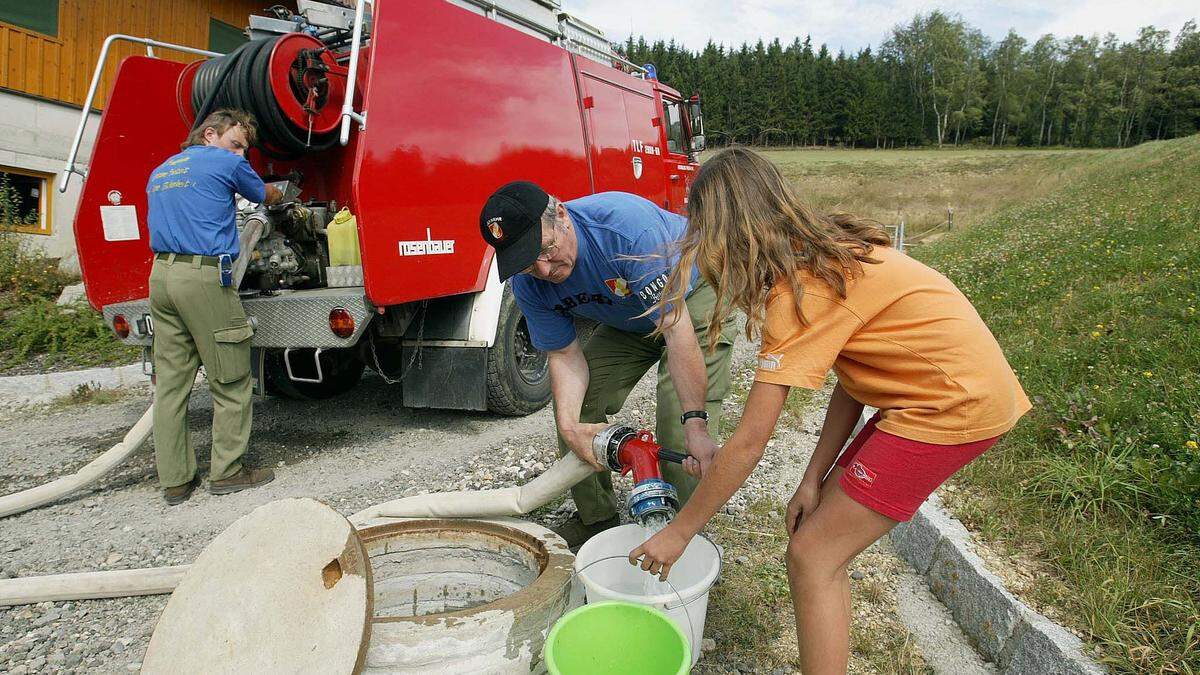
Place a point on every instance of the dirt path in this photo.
(350, 452)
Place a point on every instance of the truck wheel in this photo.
(518, 377)
(340, 368)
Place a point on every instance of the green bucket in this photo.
(617, 637)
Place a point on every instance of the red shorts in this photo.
(893, 475)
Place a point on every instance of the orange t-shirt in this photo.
(904, 340)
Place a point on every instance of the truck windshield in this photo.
(674, 119)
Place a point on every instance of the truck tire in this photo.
(518, 376)
(340, 368)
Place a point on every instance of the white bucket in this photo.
(615, 579)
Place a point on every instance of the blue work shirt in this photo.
(192, 203)
(604, 286)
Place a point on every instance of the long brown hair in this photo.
(748, 230)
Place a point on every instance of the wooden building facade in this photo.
(48, 48)
(48, 51)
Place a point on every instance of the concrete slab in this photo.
(945, 648)
(1004, 629)
(286, 588)
(23, 390)
(1047, 648)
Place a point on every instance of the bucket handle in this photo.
(686, 613)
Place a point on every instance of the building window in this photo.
(40, 17)
(24, 201)
(223, 37)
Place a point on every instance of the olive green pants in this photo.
(197, 321)
(616, 361)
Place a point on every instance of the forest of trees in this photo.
(939, 81)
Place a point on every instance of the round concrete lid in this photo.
(287, 588)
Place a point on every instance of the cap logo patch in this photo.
(618, 286)
(493, 226)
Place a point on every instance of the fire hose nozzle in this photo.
(626, 450)
(607, 443)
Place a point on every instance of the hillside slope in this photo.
(1093, 293)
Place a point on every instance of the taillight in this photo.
(121, 326)
(341, 323)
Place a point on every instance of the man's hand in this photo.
(274, 194)
(802, 504)
(579, 438)
(700, 446)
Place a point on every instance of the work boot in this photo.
(575, 532)
(180, 493)
(243, 479)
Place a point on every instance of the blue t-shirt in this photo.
(192, 204)
(604, 286)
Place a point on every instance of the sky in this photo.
(854, 24)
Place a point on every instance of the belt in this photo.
(208, 260)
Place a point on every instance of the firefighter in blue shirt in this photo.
(606, 257)
(197, 316)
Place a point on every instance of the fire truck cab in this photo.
(408, 115)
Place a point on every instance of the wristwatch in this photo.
(696, 414)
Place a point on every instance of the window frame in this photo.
(55, 36)
(212, 22)
(45, 225)
(670, 105)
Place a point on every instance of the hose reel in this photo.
(292, 84)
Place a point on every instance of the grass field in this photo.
(921, 186)
(1094, 292)
(1086, 265)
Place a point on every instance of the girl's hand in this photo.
(660, 552)
(802, 504)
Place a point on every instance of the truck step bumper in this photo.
(288, 319)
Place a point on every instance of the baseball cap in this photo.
(511, 223)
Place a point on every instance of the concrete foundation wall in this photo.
(36, 135)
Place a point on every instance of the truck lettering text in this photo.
(429, 246)
(644, 148)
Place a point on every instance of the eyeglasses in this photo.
(546, 253)
(548, 250)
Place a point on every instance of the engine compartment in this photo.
(285, 245)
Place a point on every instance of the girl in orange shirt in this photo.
(829, 292)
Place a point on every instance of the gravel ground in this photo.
(350, 452)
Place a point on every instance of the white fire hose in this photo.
(92, 472)
(510, 501)
(256, 226)
(90, 585)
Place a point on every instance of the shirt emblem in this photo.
(770, 361)
(618, 286)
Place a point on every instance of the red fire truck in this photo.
(408, 114)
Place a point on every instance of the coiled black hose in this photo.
(241, 79)
(209, 78)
